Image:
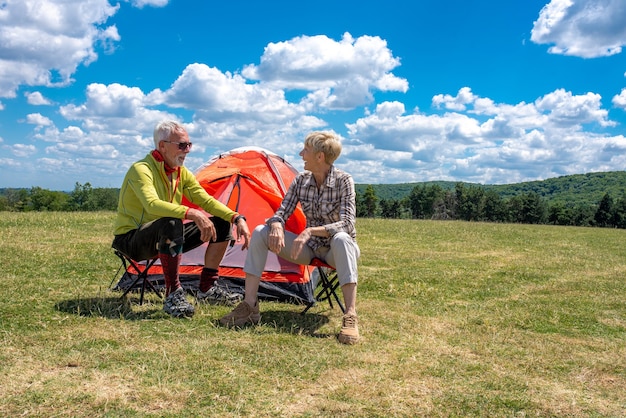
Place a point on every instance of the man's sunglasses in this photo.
(181, 145)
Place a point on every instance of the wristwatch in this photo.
(237, 218)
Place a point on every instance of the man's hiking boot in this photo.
(176, 304)
(217, 295)
(349, 333)
(242, 315)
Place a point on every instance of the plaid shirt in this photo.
(333, 205)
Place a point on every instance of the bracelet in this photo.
(237, 218)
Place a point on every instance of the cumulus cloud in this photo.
(582, 28)
(42, 42)
(114, 100)
(346, 71)
(23, 150)
(229, 111)
(36, 99)
(516, 142)
(38, 119)
(204, 88)
(619, 100)
(458, 102)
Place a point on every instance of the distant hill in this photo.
(576, 188)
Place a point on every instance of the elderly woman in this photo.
(327, 197)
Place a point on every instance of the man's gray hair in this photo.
(164, 129)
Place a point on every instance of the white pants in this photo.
(342, 254)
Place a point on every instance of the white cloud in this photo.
(206, 89)
(23, 151)
(346, 71)
(619, 100)
(567, 110)
(516, 143)
(42, 42)
(114, 100)
(154, 3)
(36, 99)
(38, 119)
(582, 28)
(458, 103)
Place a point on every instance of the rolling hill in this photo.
(576, 188)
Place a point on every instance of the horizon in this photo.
(491, 93)
(362, 184)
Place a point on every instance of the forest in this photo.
(594, 199)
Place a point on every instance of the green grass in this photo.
(457, 319)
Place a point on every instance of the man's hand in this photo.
(206, 227)
(243, 232)
(276, 241)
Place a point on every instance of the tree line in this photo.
(82, 198)
(425, 201)
(475, 203)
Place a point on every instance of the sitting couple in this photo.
(150, 217)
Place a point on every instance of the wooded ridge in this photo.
(577, 188)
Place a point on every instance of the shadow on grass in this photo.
(128, 308)
(291, 322)
(111, 307)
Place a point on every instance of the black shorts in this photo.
(143, 243)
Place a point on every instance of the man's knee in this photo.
(223, 229)
(171, 229)
(171, 236)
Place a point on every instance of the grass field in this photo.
(457, 319)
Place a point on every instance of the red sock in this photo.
(208, 277)
(170, 271)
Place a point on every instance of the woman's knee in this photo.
(259, 235)
(341, 238)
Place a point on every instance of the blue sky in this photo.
(492, 92)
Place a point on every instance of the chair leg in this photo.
(329, 285)
(142, 274)
(147, 283)
(333, 281)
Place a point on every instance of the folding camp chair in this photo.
(142, 269)
(328, 284)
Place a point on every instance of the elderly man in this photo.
(150, 216)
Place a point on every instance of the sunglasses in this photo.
(181, 145)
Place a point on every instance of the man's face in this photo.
(171, 150)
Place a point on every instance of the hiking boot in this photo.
(349, 330)
(243, 314)
(217, 295)
(176, 304)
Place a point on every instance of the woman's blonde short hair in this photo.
(326, 142)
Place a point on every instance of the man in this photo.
(150, 217)
(328, 200)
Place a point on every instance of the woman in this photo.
(328, 200)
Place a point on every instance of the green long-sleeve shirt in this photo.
(147, 194)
